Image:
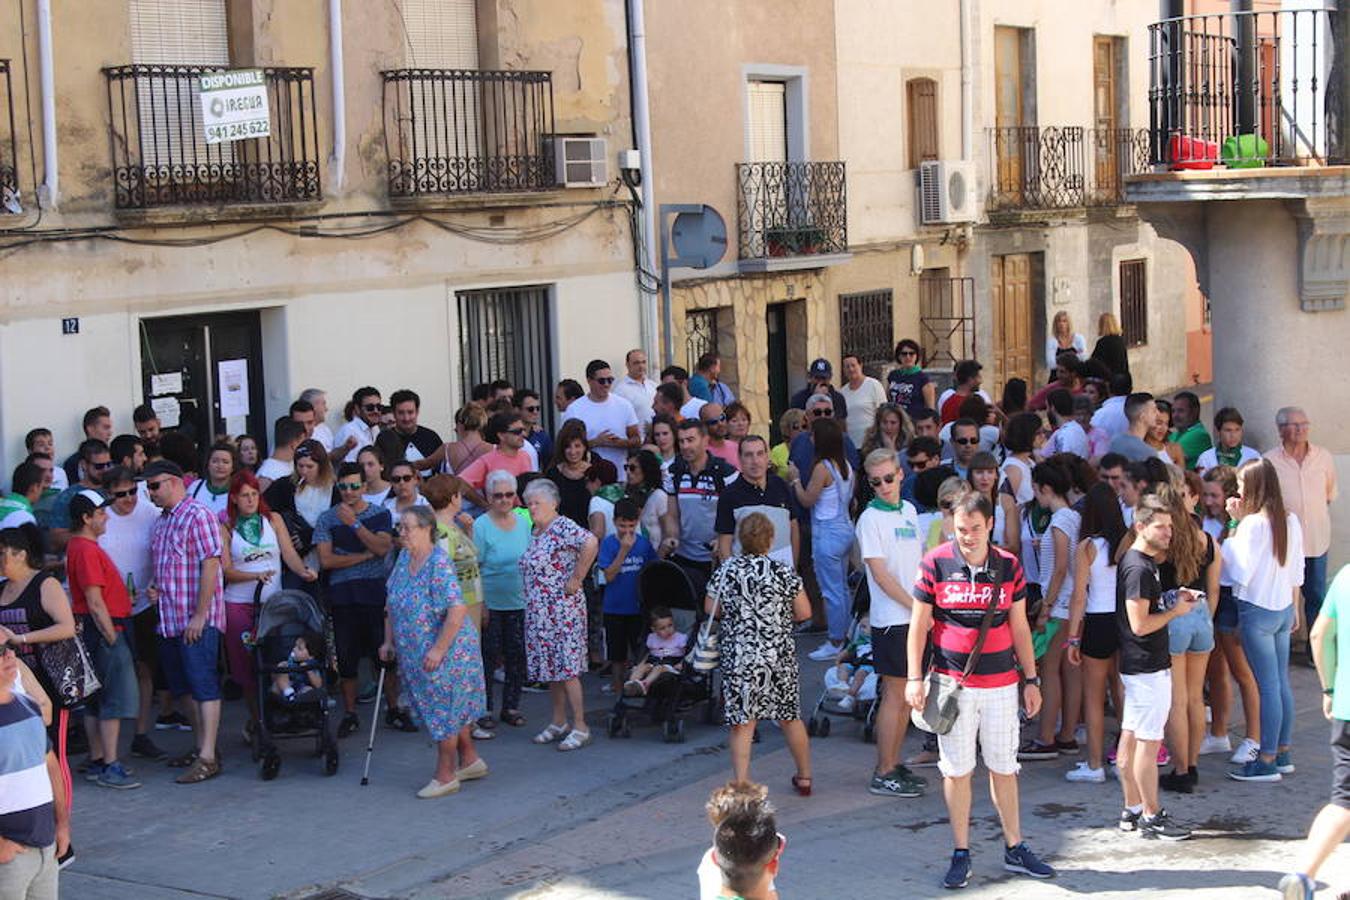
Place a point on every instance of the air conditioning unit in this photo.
(946, 192)
(581, 162)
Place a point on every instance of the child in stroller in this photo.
(665, 653)
(283, 686)
(853, 678)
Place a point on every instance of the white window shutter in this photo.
(181, 32)
(768, 121)
(440, 34)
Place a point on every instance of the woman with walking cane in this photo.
(441, 667)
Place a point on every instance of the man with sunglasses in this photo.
(611, 422)
(34, 807)
(922, 454)
(510, 456)
(353, 539)
(362, 429)
(965, 444)
(891, 546)
(185, 548)
(714, 418)
(536, 435)
(94, 460)
(636, 387)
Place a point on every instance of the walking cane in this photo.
(374, 723)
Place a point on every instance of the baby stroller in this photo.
(284, 618)
(828, 704)
(663, 583)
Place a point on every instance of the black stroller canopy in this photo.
(663, 583)
(289, 608)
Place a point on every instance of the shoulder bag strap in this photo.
(975, 652)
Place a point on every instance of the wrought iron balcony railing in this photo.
(460, 131)
(1248, 89)
(9, 148)
(791, 209)
(161, 157)
(1063, 167)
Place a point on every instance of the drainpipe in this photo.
(967, 82)
(642, 126)
(335, 163)
(47, 81)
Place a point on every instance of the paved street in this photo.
(624, 819)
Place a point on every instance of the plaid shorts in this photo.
(991, 715)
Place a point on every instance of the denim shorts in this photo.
(1191, 633)
(119, 697)
(1226, 613)
(192, 668)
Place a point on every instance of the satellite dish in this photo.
(699, 238)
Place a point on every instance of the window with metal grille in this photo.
(921, 97)
(867, 329)
(505, 333)
(1134, 301)
(700, 335)
(946, 318)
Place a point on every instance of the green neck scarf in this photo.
(878, 503)
(250, 528)
(1228, 457)
(909, 370)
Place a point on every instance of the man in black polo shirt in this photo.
(695, 482)
(407, 440)
(1142, 615)
(757, 490)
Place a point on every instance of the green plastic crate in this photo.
(1244, 151)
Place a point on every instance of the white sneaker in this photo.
(1085, 773)
(846, 703)
(1215, 744)
(825, 651)
(1247, 751)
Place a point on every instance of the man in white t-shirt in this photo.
(322, 433)
(862, 394)
(891, 546)
(361, 429)
(1069, 436)
(1228, 449)
(689, 405)
(636, 387)
(611, 421)
(287, 434)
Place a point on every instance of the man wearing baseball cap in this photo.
(100, 599)
(818, 376)
(185, 549)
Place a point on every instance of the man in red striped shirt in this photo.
(956, 585)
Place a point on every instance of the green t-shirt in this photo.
(1337, 607)
(1194, 441)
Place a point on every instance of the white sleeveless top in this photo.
(265, 556)
(832, 503)
(1101, 591)
(1000, 525)
(1025, 489)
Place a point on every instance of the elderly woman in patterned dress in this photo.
(758, 599)
(553, 566)
(427, 628)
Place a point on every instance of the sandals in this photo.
(575, 740)
(802, 785)
(513, 718)
(199, 771)
(184, 761)
(550, 734)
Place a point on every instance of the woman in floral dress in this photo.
(553, 566)
(426, 627)
(757, 599)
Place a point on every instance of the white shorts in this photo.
(1148, 701)
(991, 715)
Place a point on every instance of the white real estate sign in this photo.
(234, 105)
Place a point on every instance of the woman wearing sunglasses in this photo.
(406, 490)
(501, 537)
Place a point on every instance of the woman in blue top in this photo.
(440, 665)
(908, 387)
(501, 536)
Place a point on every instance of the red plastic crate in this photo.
(1192, 153)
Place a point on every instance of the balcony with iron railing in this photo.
(161, 157)
(1248, 89)
(9, 148)
(1062, 167)
(467, 131)
(791, 215)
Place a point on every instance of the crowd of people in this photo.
(1064, 557)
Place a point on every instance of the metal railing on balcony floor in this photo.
(461, 131)
(1063, 167)
(161, 157)
(791, 208)
(1248, 89)
(9, 148)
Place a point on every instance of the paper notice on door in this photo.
(233, 379)
(236, 424)
(166, 383)
(166, 410)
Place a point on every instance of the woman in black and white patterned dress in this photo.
(758, 599)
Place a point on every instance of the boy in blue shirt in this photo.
(622, 556)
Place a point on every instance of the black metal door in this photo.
(778, 367)
(193, 347)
